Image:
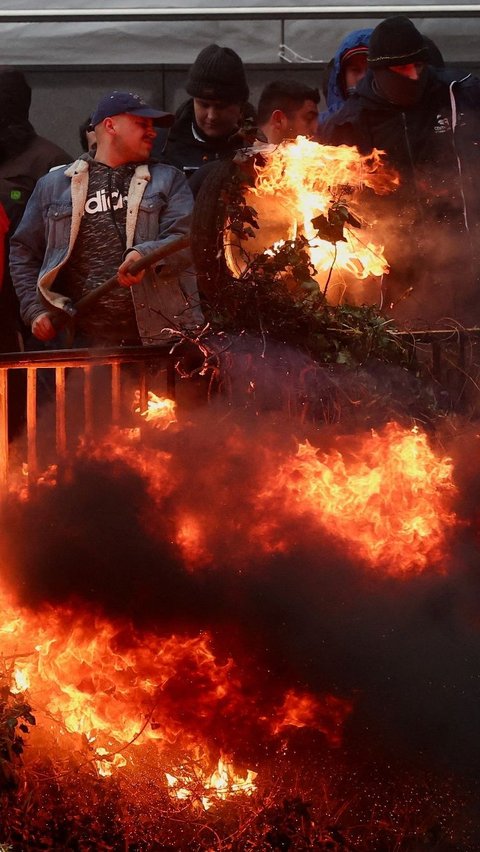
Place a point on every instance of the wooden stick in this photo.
(85, 302)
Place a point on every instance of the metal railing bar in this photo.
(250, 13)
(88, 400)
(116, 393)
(60, 412)
(83, 357)
(32, 456)
(3, 428)
(143, 381)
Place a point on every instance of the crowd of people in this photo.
(69, 224)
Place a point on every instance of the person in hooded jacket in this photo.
(427, 121)
(93, 219)
(24, 155)
(346, 69)
(24, 158)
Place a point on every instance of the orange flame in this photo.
(160, 411)
(387, 498)
(305, 178)
(301, 710)
(106, 695)
(224, 782)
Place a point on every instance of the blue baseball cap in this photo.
(118, 103)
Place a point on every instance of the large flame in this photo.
(387, 497)
(102, 692)
(299, 180)
(114, 701)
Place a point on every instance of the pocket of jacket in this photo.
(59, 219)
(149, 213)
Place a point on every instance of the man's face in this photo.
(216, 118)
(304, 121)
(354, 70)
(133, 138)
(412, 71)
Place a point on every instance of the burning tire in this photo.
(211, 219)
(259, 280)
(231, 226)
(295, 194)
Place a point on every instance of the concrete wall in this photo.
(63, 98)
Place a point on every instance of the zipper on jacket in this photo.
(412, 166)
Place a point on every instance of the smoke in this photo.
(180, 533)
(433, 277)
(306, 609)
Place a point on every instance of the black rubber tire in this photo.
(208, 225)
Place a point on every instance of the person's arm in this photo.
(27, 249)
(174, 221)
(125, 277)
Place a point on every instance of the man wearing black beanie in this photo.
(427, 121)
(207, 124)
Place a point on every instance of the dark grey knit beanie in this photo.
(218, 74)
(396, 41)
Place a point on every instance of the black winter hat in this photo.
(396, 41)
(15, 96)
(218, 74)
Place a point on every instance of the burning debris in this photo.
(236, 653)
(160, 410)
(317, 186)
(222, 784)
(316, 235)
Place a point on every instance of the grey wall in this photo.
(62, 98)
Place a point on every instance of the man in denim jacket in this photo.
(93, 219)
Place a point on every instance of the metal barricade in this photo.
(147, 360)
(451, 355)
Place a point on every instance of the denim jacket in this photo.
(159, 206)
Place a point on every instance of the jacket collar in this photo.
(81, 166)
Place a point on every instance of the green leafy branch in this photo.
(276, 294)
(16, 718)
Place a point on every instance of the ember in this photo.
(223, 783)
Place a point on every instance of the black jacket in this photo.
(187, 152)
(432, 222)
